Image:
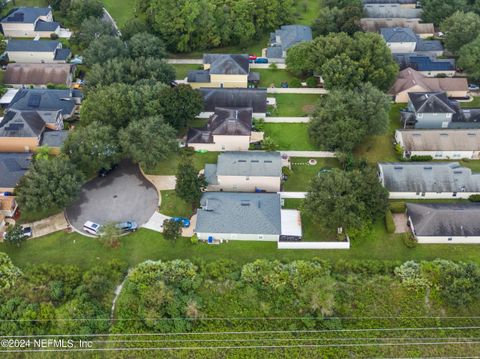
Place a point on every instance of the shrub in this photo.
(398, 149)
(286, 171)
(295, 83)
(194, 239)
(421, 158)
(312, 81)
(53, 36)
(258, 123)
(398, 207)
(273, 66)
(474, 198)
(409, 240)
(268, 144)
(389, 223)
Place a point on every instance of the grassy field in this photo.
(380, 148)
(307, 11)
(270, 77)
(121, 10)
(182, 70)
(174, 206)
(294, 105)
(302, 172)
(169, 166)
(473, 104)
(289, 136)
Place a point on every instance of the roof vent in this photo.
(245, 203)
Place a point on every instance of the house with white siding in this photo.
(428, 180)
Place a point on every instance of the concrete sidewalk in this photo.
(299, 195)
(299, 90)
(185, 61)
(48, 225)
(287, 119)
(309, 154)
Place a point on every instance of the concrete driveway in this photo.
(122, 195)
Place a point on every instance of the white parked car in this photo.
(92, 227)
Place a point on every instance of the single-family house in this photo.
(8, 206)
(391, 11)
(30, 22)
(426, 65)
(436, 110)
(234, 98)
(452, 223)
(428, 180)
(37, 51)
(228, 129)
(424, 30)
(51, 105)
(403, 3)
(409, 80)
(440, 144)
(246, 216)
(223, 70)
(21, 131)
(286, 37)
(401, 40)
(246, 171)
(12, 167)
(20, 75)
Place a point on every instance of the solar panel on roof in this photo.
(34, 100)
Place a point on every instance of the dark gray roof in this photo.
(227, 64)
(239, 213)
(54, 138)
(428, 177)
(43, 100)
(423, 62)
(431, 102)
(234, 97)
(231, 121)
(445, 219)
(12, 167)
(290, 35)
(32, 45)
(274, 52)
(26, 15)
(428, 45)
(398, 34)
(46, 25)
(254, 76)
(196, 135)
(198, 76)
(249, 163)
(21, 124)
(62, 54)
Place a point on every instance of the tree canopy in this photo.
(469, 58)
(91, 28)
(338, 16)
(104, 48)
(189, 185)
(460, 29)
(363, 55)
(343, 118)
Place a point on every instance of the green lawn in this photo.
(169, 166)
(182, 70)
(294, 105)
(121, 10)
(289, 136)
(307, 11)
(380, 148)
(270, 77)
(302, 172)
(174, 206)
(473, 104)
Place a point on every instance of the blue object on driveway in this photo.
(128, 226)
(185, 221)
(261, 60)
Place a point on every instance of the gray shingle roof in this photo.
(428, 177)
(62, 54)
(234, 97)
(37, 74)
(398, 34)
(428, 45)
(54, 138)
(431, 102)
(441, 140)
(227, 64)
(21, 124)
(239, 213)
(46, 25)
(445, 219)
(198, 76)
(249, 163)
(43, 100)
(32, 45)
(290, 35)
(26, 15)
(12, 167)
(231, 122)
(274, 52)
(391, 11)
(196, 135)
(211, 174)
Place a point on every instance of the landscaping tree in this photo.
(3, 44)
(338, 17)
(9, 273)
(91, 28)
(346, 199)
(15, 235)
(469, 58)
(299, 60)
(133, 26)
(93, 147)
(148, 141)
(110, 235)
(343, 118)
(172, 230)
(49, 185)
(438, 10)
(146, 45)
(83, 9)
(190, 184)
(341, 72)
(460, 29)
(180, 105)
(43, 152)
(104, 48)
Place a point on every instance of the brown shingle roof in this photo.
(37, 74)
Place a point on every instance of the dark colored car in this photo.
(105, 172)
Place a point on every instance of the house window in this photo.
(450, 238)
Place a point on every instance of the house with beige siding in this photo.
(30, 22)
(223, 70)
(254, 98)
(424, 30)
(246, 171)
(228, 129)
(21, 75)
(8, 206)
(37, 51)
